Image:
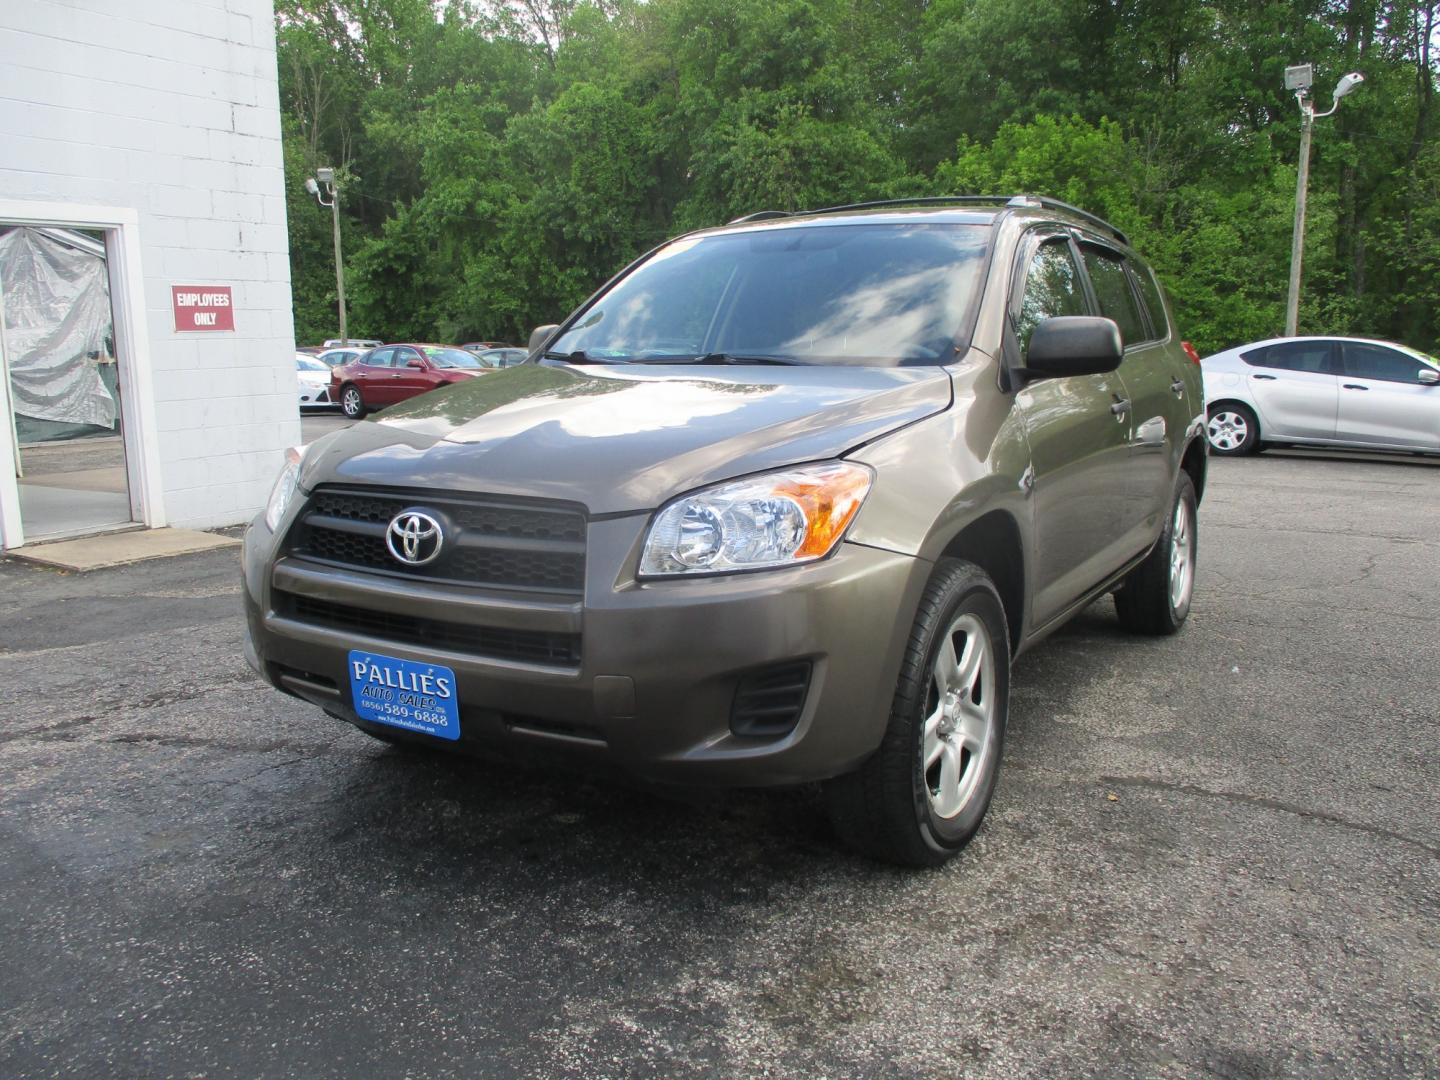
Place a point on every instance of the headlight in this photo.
(284, 489)
(776, 519)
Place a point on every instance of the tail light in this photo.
(1190, 351)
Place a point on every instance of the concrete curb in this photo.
(118, 549)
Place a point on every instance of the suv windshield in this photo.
(881, 294)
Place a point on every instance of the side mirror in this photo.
(540, 335)
(415, 363)
(1066, 345)
(1429, 376)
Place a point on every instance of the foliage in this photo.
(501, 159)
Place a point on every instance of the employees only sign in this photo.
(202, 307)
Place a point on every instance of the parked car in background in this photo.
(314, 378)
(790, 530)
(501, 358)
(348, 343)
(478, 346)
(394, 373)
(1322, 391)
(336, 357)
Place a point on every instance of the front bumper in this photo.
(661, 661)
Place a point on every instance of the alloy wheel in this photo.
(959, 730)
(1182, 556)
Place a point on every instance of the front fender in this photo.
(937, 477)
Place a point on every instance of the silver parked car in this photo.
(1322, 391)
(340, 357)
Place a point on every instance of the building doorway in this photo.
(62, 373)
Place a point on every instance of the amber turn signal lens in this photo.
(830, 503)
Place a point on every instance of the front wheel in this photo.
(1155, 597)
(1233, 430)
(922, 795)
(351, 403)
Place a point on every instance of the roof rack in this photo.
(1012, 202)
(760, 215)
(1055, 204)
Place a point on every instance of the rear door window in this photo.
(1114, 294)
(1316, 357)
(380, 358)
(1153, 301)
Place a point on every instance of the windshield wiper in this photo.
(723, 358)
(579, 356)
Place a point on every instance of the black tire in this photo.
(1146, 602)
(352, 403)
(1227, 420)
(886, 808)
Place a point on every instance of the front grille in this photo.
(488, 543)
(768, 702)
(534, 646)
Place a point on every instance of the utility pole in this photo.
(321, 185)
(1297, 238)
(1300, 78)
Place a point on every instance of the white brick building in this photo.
(154, 126)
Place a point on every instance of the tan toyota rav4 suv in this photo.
(780, 503)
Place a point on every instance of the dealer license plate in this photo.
(405, 694)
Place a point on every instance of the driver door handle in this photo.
(1355, 386)
(1121, 407)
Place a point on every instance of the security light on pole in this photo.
(1299, 79)
(327, 193)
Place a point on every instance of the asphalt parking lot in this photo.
(1216, 854)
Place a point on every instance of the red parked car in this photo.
(394, 373)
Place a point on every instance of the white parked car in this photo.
(1322, 391)
(354, 342)
(313, 375)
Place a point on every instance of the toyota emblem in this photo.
(414, 538)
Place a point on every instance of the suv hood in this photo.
(623, 438)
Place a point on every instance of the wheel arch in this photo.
(994, 543)
(1196, 461)
(1248, 406)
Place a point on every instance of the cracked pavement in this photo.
(1214, 854)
